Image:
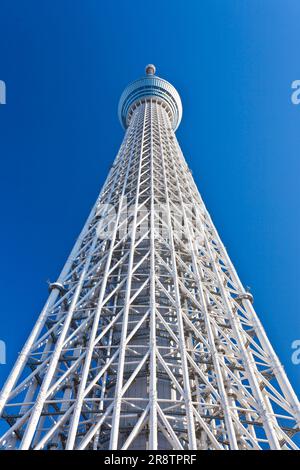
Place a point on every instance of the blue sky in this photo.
(65, 64)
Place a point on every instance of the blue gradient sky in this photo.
(66, 63)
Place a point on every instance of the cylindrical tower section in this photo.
(150, 87)
(150, 107)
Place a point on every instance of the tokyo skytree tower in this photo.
(148, 339)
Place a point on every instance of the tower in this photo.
(148, 339)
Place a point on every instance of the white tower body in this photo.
(148, 339)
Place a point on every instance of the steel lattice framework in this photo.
(148, 339)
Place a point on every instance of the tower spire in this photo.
(150, 69)
(148, 339)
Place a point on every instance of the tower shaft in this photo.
(148, 339)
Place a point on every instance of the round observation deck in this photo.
(145, 88)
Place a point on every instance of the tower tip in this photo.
(150, 69)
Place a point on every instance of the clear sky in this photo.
(65, 64)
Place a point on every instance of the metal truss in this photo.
(148, 339)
